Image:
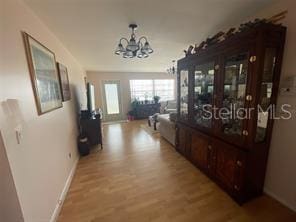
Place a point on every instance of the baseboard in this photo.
(59, 205)
(274, 196)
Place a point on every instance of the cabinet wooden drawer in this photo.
(183, 142)
(230, 164)
(199, 154)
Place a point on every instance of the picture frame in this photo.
(44, 75)
(64, 82)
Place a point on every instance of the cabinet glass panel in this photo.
(184, 80)
(235, 81)
(203, 94)
(265, 94)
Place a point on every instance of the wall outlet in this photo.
(286, 91)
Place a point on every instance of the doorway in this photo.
(112, 105)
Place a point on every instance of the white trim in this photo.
(282, 201)
(59, 205)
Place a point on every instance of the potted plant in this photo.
(131, 115)
(135, 103)
(133, 112)
(146, 98)
(156, 99)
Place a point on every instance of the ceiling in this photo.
(90, 29)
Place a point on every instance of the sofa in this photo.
(167, 128)
(170, 107)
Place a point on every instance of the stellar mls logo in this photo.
(241, 113)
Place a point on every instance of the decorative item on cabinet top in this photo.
(221, 36)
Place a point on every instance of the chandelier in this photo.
(134, 48)
(172, 69)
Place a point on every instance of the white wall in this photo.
(41, 164)
(96, 78)
(1, 44)
(10, 210)
(281, 170)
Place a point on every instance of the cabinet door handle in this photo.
(209, 147)
(236, 187)
(253, 59)
(239, 163)
(249, 97)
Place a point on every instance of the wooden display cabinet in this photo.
(242, 71)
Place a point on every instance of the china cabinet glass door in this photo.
(234, 93)
(203, 94)
(184, 86)
(265, 94)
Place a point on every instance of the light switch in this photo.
(18, 134)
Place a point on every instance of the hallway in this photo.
(140, 177)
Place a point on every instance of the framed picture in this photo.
(64, 82)
(44, 75)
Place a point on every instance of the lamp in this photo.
(172, 70)
(133, 47)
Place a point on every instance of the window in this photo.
(147, 88)
(142, 89)
(164, 88)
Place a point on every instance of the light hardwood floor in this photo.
(140, 177)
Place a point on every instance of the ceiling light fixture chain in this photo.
(134, 48)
